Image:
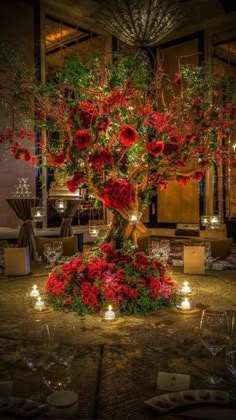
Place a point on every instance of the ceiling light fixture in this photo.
(141, 23)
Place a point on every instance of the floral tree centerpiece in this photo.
(124, 132)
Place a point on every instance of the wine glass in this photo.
(214, 329)
(231, 349)
(50, 254)
(58, 248)
(57, 370)
(34, 343)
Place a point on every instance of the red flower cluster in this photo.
(100, 158)
(128, 135)
(122, 279)
(117, 194)
(77, 179)
(20, 152)
(85, 112)
(82, 139)
(56, 159)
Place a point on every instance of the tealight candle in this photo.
(133, 218)
(186, 289)
(34, 292)
(109, 314)
(39, 304)
(185, 305)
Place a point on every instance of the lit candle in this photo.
(133, 218)
(234, 147)
(34, 292)
(186, 289)
(109, 314)
(38, 214)
(185, 305)
(39, 305)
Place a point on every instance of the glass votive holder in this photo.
(185, 305)
(40, 305)
(186, 289)
(109, 313)
(63, 405)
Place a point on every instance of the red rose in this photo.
(56, 160)
(86, 112)
(106, 248)
(82, 139)
(128, 135)
(155, 147)
(100, 158)
(90, 300)
(72, 185)
(117, 194)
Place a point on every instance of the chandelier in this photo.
(141, 23)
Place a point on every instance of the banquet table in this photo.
(114, 380)
(116, 364)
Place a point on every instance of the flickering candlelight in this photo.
(186, 289)
(185, 305)
(34, 292)
(109, 314)
(39, 304)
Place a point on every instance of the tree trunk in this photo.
(121, 230)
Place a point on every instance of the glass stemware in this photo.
(58, 248)
(214, 329)
(231, 349)
(50, 255)
(57, 370)
(34, 343)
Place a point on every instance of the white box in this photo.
(17, 261)
(194, 259)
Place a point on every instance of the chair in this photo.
(70, 245)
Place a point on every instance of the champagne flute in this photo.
(214, 329)
(231, 349)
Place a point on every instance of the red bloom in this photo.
(86, 112)
(34, 160)
(82, 139)
(106, 248)
(100, 158)
(155, 147)
(183, 180)
(72, 185)
(117, 194)
(128, 135)
(20, 152)
(56, 160)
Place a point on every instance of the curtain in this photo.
(67, 215)
(22, 208)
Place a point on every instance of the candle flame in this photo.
(39, 299)
(185, 283)
(35, 286)
(109, 308)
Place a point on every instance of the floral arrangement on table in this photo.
(132, 281)
(123, 131)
